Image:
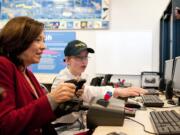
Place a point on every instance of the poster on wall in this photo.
(59, 14)
(52, 60)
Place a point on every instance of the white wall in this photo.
(130, 15)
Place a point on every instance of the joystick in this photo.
(75, 104)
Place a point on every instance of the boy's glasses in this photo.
(81, 58)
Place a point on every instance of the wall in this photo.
(130, 15)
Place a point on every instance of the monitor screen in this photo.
(176, 77)
(168, 70)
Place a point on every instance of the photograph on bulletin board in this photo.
(59, 14)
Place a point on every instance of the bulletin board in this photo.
(124, 53)
(59, 14)
(52, 60)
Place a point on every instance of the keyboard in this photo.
(152, 92)
(152, 101)
(166, 122)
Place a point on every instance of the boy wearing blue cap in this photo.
(76, 57)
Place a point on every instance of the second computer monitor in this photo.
(168, 70)
(176, 78)
(168, 79)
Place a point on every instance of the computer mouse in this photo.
(132, 105)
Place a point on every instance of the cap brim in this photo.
(89, 50)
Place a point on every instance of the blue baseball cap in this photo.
(75, 47)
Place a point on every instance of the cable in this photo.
(152, 108)
(170, 106)
(142, 126)
(81, 120)
(155, 108)
(81, 125)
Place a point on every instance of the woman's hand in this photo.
(63, 93)
(130, 91)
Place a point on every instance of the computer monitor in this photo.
(176, 79)
(168, 70)
(165, 83)
(168, 73)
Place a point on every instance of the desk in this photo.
(132, 128)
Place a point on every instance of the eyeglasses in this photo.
(81, 58)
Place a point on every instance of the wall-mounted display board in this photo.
(60, 14)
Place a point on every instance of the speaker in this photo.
(169, 90)
(162, 84)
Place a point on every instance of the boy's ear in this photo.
(66, 60)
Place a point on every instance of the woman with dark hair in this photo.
(26, 109)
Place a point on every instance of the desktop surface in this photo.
(142, 115)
